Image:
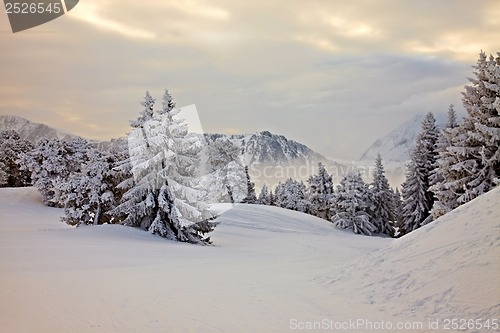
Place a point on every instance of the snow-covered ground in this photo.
(270, 270)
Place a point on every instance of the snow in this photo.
(269, 270)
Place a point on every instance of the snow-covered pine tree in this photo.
(251, 197)
(168, 103)
(4, 177)
(417, 196)
(137, 206)
(278, 195)
(351, 205)
(320, 191)
(90, 193)
(383, 212)
(398, 214)
(443, 199)
(12, 149)
(51, 162)
(292, 195)
(263, 198)
(472, 160)
(162, 196)
(272, 200)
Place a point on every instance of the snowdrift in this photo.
(270, 270)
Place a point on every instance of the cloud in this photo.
(333, 74)
(89, 12)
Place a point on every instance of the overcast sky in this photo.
(334, 75)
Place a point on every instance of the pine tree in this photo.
(89, 194)
(472, 165)
(292, 195)
(383, 215)
(443, 199)
(162, 196)
(398, 225)
(264, 196)
(4, 177)
(272, 199)
(251, 197)
(51, 162)
(320, 193)
(167, 102)
(417, 196)
(12, 150)
(351, 205)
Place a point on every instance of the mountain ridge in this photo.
(32, 131)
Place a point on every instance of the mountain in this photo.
(30, 131)
(265, 147)
(273, 158)
(396, 146)
(270, 270)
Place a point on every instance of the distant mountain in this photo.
(396, 146)
(31, 131)
(266, 148)
(273, 158)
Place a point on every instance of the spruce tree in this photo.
(90, 193)
(472, 164)
(292, 195)
(417, 195)
(264, 196)
(443, 199)
(320, 193)
(162, 196)
(398, 225)
(4, 177)
(51, 162)
(383, 212)
(351, 205)
(12, 150)
(251, 197)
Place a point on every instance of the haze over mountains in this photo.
(397, 144)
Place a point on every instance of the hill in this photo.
(270, 270)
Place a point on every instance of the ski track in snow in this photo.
(267, 267)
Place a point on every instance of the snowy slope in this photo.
(31, 131)
(270, 270)
(447, 269)
(256, 278)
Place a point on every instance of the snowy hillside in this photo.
(31, 131)
(270, 270)
(447, 269)
(397, 144)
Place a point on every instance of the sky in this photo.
(334, 75)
